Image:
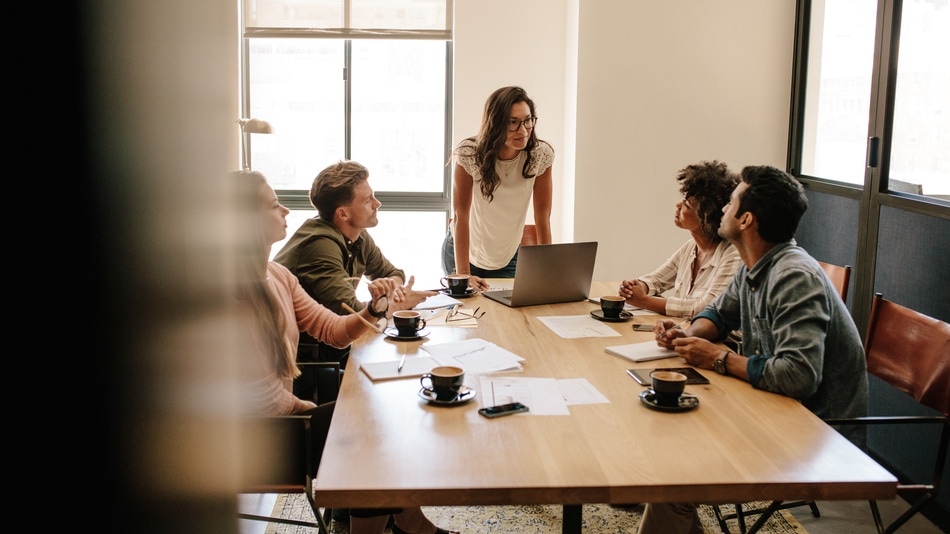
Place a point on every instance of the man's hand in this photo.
(697, 351)
(667, 331)
(406, 298)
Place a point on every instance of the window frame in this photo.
(298, 199)
(873, 194)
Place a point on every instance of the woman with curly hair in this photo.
(703, 267)
(497, 173)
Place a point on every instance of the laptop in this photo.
(548, 274)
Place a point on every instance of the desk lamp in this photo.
(249, 126)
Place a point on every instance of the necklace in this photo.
(506, 166)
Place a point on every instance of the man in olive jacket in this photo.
(330, 253)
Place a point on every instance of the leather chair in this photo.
(909, 351)
(279, 457)
(840, 276)
(529, 235)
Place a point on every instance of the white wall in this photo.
(658, 85)
(529, 44)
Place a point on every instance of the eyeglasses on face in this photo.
(514, 124)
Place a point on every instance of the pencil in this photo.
(401, 363)
(361, 318)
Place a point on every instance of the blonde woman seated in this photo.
(278, 309)
(703, 267)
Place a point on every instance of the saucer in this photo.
(687, 402)
(465, 394)
(393, 333)
(470, 292)
(599, 315)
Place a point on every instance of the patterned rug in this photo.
(598, 518)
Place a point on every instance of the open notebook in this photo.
(548, 274)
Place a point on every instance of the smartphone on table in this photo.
(503, 409)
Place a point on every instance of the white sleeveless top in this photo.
(495, 227)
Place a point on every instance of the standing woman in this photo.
(497, 173)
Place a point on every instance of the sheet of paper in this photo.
(498, 284)
(437, 301)
(574, 326)
(475, 355)
(580, 391)
(541, 395)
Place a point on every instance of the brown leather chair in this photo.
(840, 277)
(909, 351)
(529, 236)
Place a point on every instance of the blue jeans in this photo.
(448, 262)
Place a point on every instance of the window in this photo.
(905, 131)
(367, 80)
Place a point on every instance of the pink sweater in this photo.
(270, 394)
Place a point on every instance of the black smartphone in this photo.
(640, 327)
(503, 409)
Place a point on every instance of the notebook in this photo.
(641, 352)
(548, 274)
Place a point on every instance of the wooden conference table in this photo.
(387, 447)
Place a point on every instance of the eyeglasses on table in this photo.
(456, 314)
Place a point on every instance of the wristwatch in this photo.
(378, 307)
(720, 364)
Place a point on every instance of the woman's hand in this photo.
(633, 290)
(478, 283)
(384, 287)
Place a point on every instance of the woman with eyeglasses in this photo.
(497, 173)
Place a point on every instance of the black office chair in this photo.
(279, 456)
(320, 383)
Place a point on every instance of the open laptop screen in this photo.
(548, 274)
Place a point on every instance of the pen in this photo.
(674, 327)
(401, 363)
(360, 317)
(680, 325)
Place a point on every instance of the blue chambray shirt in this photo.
(798, 334)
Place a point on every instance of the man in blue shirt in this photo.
(798, 337)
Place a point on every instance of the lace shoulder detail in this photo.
(464, 155)
(542, 157)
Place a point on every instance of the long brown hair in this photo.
(493, 133)
(251, 271)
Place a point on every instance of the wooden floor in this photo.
(837, 517)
